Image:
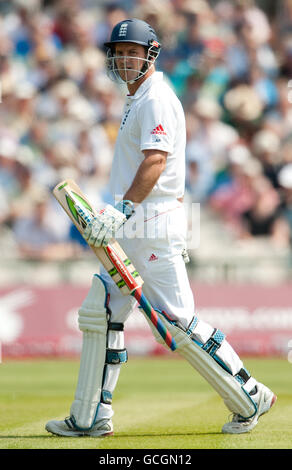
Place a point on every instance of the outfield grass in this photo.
(159, 404)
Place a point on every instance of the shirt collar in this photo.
(155, 77)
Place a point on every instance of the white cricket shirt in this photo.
(153, 118)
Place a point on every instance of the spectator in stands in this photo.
(213, 136)
(279, 119)
(24, 93)
(228, 61)
(8, 152)
(266, 147)
(200, 174)
(36, 238)
(264, 218)
(285, 183)
(237, 195)
(27, 192)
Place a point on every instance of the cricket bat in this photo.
(112, 256)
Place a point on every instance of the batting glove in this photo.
(103, 227)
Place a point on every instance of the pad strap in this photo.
(242, 376)
(116, 356)
(192, 326)
(106, 397)
(115, 326)
(214, 342)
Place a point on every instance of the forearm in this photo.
(146, 177)
(102, 228)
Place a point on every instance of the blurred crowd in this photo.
(230, 63)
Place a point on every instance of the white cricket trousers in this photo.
(154, 240)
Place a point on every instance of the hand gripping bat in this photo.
(112, 256)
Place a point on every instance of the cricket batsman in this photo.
(148, 171)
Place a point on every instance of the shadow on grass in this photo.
(116, 436)
(37, 436)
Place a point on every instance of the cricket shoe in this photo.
(264, 399)
(101, 428)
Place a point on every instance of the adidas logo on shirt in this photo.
(158, 130)
(153, 257)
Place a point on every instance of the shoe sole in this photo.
(78, 434)
(243, 431)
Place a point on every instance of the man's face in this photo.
(129, 59)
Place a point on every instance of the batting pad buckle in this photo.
(214, 342)
(192, 326)
(116, 356)
(242, 376)
(115, 326)
(106, 397)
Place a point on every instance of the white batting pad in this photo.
(93, 323)
(234, 394)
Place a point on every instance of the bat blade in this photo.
(70, 197)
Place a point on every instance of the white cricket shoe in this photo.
(264, 398)
(102, 428)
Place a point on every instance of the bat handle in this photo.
(154, 318)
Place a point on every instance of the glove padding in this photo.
(103, 227)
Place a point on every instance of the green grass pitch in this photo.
(158, 403)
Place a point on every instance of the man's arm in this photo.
(147, 175)
(103, 227)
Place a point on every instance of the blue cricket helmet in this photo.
(134, 30)
(138, 32)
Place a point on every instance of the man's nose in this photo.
(126, 60)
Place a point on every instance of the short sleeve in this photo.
(157, 121)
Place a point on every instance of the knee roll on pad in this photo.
(102, 348)
(93, 313)
(202, 350)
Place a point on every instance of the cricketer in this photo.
(149, 170)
